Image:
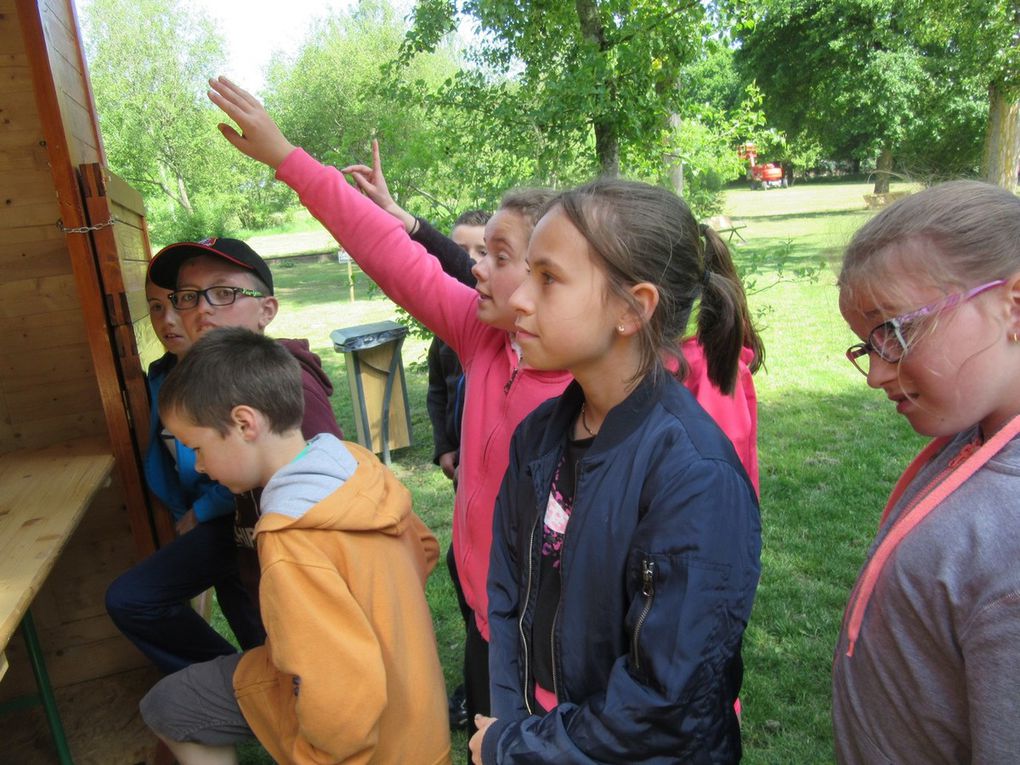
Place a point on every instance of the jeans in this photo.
(150, 603)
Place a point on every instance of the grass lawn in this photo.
(297, 221)
(830, 451)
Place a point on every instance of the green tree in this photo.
(337, 93)
(592, 76)
(978, 43)
(149, 61)
(846, 74)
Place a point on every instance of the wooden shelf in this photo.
(43, 495)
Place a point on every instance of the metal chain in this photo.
(86, 229)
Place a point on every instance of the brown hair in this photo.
(232, 366)
(968, 231)
(529, 203)
(472, 218)
(643, 233)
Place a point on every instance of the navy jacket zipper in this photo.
(648, 591)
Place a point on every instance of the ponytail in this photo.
(724, 320)
(644, 233)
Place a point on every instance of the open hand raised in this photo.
(259, 138)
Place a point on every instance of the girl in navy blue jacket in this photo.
(627, 537)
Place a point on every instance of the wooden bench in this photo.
(43, 495)
(721, 224)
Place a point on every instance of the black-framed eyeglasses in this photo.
(890, 340)
(185, 300)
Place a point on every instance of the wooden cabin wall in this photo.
(49, 390)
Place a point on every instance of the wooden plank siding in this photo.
(122, 252)
(59, 377)
(66, 615)
(45, 26)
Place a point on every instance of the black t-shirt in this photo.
(554, 527)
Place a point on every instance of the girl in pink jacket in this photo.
(477, 323)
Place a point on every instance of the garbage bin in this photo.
(375, 373)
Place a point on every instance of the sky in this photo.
(254, 29)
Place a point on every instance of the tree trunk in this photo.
(607, 134)
(182, 196)
(788, 171)
(1000, 161)
(607, 147)
(883, 170)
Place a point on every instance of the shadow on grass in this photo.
(792, 249)
(803, 216)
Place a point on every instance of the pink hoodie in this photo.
(736, 415)
(500, 393)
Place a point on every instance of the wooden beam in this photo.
(72, 213)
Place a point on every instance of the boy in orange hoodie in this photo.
(349, 672)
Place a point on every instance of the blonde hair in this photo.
(960, 233)
(530, 202)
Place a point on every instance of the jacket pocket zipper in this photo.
(648, 592)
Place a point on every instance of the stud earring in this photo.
(621, 329)
(1014, 338)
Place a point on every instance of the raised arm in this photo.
(374, 238)
(260, 138)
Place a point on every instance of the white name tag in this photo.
(556, 518)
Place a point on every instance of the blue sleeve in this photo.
(158, 466)
(178, 485)
(670, 698)
(214, 500)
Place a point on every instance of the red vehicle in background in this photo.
(767, 176)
